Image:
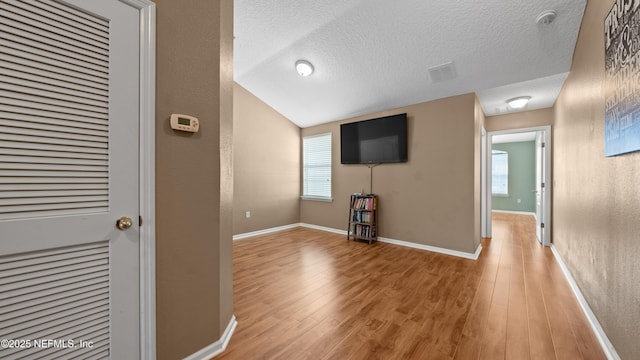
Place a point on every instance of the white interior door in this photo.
(69, 105)
(539, 190)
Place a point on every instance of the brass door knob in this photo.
(124, 223)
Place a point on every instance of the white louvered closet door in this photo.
(69, 105)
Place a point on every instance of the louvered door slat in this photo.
(45, 118)
(54, 294)
(50, 160)
(96, 297)
(63, 269)
(51, 167)
(53, 256)
(56, 135)
(25, 65)
(51, 314)
(11, 29)
(10, 180)
(17, 309)
(18, 196)
(17, 124)
(30, 108)
(41, 25)
(51, 13)
(26, 83)
(12, 46)
(4, 136)
(98, 355)
(9, 204)
(19, 92)
(52, 209)
(55, 288)
(63, 262)
(75, 15)
(52, 24)
(45, 175)
(57, 316)
(64, 277)
(45, 187)
(45, 115)
(28, 28)
(49, 330)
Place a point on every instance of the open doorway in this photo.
(517, 177)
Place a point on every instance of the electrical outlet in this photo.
(247, 214)
(519, 201)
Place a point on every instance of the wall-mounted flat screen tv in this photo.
(375, 141)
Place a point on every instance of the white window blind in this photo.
(499, 172)
(316, 167)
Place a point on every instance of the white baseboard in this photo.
(217, 347)
(606, 345)
(324, 228)
(265, 231)
(473, 256)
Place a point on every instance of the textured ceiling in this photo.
(373, 55)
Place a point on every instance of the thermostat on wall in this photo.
(184, 123)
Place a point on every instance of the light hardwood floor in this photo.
(308, 294)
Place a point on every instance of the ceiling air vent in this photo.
(443, 72)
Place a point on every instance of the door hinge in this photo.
(140, 220)
(542, 185)
(543, 144)
(542, 225)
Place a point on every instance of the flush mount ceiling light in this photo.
(304, 67)
(546, 17)
(518, 102)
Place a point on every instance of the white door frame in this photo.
(147, 176)
(485, 231)
(547, 176)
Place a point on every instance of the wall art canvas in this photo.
(622, 78)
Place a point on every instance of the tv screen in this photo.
(375, 141)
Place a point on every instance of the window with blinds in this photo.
(500, 172)
(316, 167)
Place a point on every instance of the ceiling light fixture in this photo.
(304, 67)
(546, 17)
(518, 102)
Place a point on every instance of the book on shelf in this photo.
(362, 202)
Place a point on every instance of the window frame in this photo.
(305, 184)
(495, 152)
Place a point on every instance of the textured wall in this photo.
(596, 208)
(193, 175)
(522, 177)
(520, 120)
(433, 199)
(266, 157)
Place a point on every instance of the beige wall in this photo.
(596, 208)
(266, 157)
(193, 175)
(431, 199)
(520, 120)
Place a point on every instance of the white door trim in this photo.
(485, 229)
(147, 176)
(547, 176)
